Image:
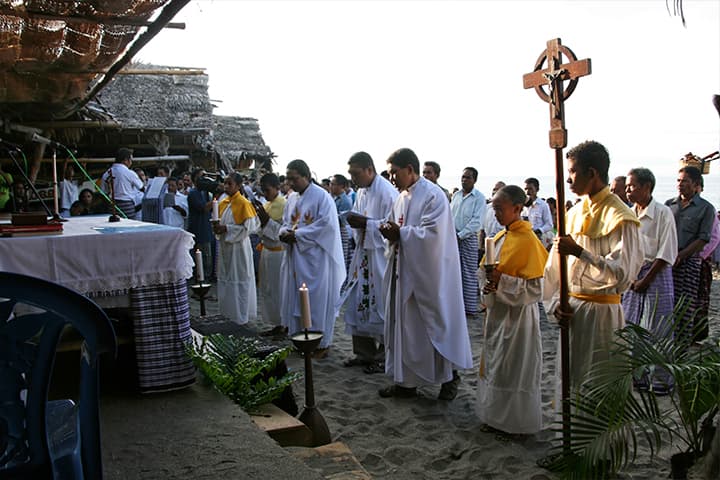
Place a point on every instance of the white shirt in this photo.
(659, 235)
(468, 211)
(172, 216)
(491, 226)
(127, 183)
(539, 215)
(68, 194)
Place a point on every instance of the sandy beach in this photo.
(427, 438)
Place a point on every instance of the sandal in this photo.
(375, 367)
(552, 462)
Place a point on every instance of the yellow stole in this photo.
(522, 255)
(241, 208)
(599, 215)
(275, 208)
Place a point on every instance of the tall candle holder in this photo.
(201, 289)
(307, 341)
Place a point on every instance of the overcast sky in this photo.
(328, 78)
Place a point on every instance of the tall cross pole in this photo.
(552, 77)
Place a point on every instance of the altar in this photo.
(142, 266)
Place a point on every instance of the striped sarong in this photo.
(127, 207)
(161, 325)
(704, 299)
(468, 248)
(686, 279)
(345, 238)
(650, 308)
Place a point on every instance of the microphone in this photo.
(45, 141)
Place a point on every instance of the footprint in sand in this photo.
(398, 455)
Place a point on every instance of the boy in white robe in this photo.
(236, 291)
(604, 254)
(271, 254)
(511, 361)
(426, 336)
(364, 295)
(313, 255)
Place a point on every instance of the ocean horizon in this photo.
(665, 187)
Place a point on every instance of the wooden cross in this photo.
(553, 76)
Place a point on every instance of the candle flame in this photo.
(303, 285)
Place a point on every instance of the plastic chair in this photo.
(39, 438)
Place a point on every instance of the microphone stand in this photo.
(56, 215)
(11, 151)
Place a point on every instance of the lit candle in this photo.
(305, 306)
(215, 215)
(489, 251)
(199, 266)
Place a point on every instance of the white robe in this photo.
(172, 216)
(511, 362)
(426, 334)
(607, 266)
(237, 295)
(365, 309)
(269, 271)
(316, 259)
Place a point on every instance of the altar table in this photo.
(126, 263)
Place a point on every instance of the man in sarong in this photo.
(649, 301)
(468, 211)
(511, 361)
(236, 291)
(271, 253)
(313, 255)
(426, 336)
(363, 294)
(604, 252)
(125, 185)
(706, 276)
(694, 221)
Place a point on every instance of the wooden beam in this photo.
(85, 19)
(76, 124)
(166, 158)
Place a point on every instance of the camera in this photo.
(209, 184)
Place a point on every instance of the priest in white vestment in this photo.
(271, 253)
(363, 294)
(604, 254)
(236, 291)
(313, 255)
(511, 361)
(426, 336)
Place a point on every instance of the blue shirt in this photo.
(468, 212)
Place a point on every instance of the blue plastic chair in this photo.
(57, 439)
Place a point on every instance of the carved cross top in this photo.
(553, 76)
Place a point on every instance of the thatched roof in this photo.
(159, 100)
(52, 52)
(238, 140)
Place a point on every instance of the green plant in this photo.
(609, 419)
(236, 368)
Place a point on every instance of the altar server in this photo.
(236, 290)
(511, 361)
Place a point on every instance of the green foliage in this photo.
(231, 365)
(609, 418)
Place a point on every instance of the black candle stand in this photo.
(201, 290)
(307, 341)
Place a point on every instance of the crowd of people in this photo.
(412, 264)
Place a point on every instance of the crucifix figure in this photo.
(552, 76)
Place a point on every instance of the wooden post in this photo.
(553, 77)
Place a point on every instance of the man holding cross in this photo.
(604, 256)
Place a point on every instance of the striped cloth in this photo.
(345, 239)
(127, 207)
(161, 324)
(686, 278)
(468, 269)
(658, 298)
(704, 298)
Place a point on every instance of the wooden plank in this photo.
(281, 426)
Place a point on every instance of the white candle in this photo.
(199, 266)
(489, 251)
(215, 215)
(305, 306)
(55, 185)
